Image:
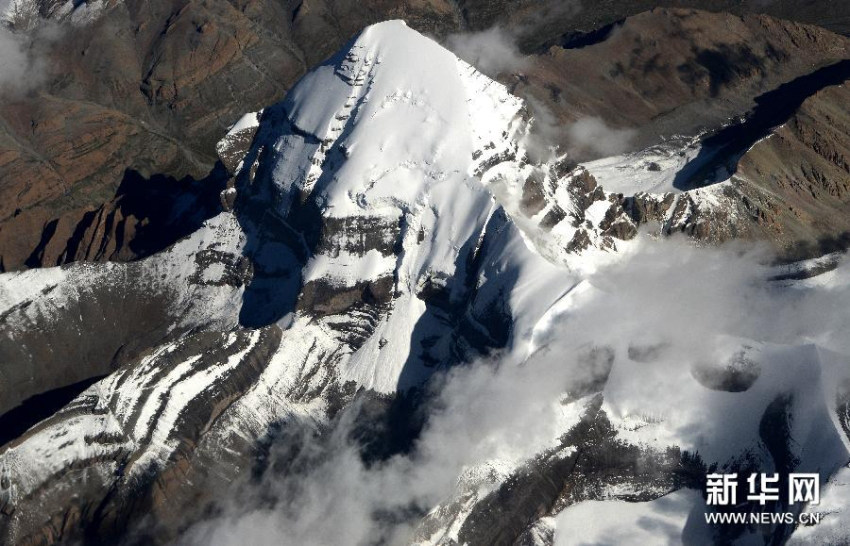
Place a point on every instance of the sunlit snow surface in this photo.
(652, 170)
(386, 141)
(662, 522)
(27, 12)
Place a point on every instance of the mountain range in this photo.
(490, 274)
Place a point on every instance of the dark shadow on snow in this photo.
(36, 408)
(460, 323)
(278, 246)
(283, 230)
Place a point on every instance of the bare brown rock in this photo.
(800, 175)
(675, 71)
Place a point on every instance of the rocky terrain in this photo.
(245, 277)
(124, 93)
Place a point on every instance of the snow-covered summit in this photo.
(381, 159)
(397, 129)
(390, 118)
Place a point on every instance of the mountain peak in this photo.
(380, 159)
(401, 112)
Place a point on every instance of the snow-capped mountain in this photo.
(382, 259)
(384, 223)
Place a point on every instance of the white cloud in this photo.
(669, 294)
(15, 61)
(491, 51)
(591, 135)
(24, 57)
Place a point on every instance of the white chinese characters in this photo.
(722, 489)
(804, 488)
(765, 492)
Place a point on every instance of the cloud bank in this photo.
(668, 308)
(15, 62)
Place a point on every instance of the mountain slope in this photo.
(391, 272)
(387, 222)
(146, 89)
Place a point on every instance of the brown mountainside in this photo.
(92, 161)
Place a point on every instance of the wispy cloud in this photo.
(492, 51)
(668, 295)
(24, 57)
(591, 136)
(16, 65)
